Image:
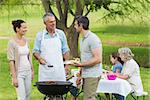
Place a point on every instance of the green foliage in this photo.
(18, 2)
(118, 7)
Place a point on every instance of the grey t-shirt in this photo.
(88, 42)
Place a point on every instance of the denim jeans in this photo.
(118, 97)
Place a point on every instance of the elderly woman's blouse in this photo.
(131, 68)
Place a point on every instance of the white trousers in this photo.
(24, 85)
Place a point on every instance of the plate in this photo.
(68, 62)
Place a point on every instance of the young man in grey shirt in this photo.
(91, 58)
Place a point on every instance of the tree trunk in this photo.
(73, 42)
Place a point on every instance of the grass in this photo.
(127, 32)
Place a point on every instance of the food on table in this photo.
(74, 61)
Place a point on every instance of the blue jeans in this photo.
(118, 97)
(74, 91)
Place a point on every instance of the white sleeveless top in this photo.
(24, 63)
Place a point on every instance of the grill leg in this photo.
(133, 97)
(44, 98)
(47, 97)
(60, 97)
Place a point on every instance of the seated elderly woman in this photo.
(130, 71)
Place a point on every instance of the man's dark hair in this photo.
(17, 24)
(84, 21)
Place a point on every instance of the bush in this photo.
(141, 54)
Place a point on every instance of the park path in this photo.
(116, 43)
(6, 38)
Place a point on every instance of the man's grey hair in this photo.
(45, 17)
(126, 51)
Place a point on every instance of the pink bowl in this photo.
(111, 77)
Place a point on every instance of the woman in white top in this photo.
(130, 71)
(20, 61)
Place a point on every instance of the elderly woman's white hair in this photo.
(126, 52)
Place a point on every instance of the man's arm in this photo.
(97, 58)
(36, 49)
(39, 58)
(65, 48)
(66, 56)
(96, 49)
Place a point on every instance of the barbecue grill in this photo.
(53, 88)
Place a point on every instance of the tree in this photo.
(84, 7)
(113, 8)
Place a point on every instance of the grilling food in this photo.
(74, 61)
